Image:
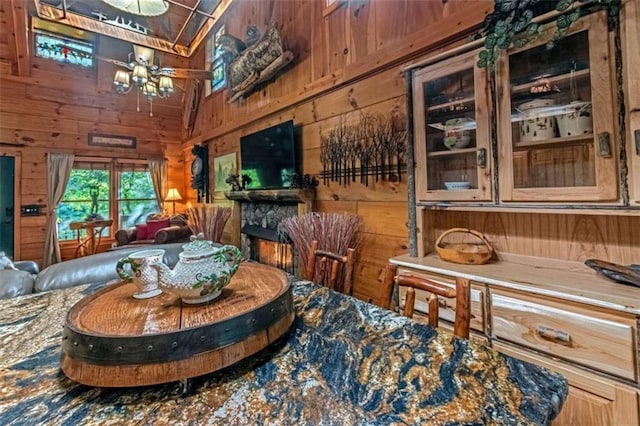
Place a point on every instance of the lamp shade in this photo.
(140, 75)
(121, 80)
(173, 195)
(165, 85)
(150, 89)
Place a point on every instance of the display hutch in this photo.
(543, 157)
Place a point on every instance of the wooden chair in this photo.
(462, 294)
(329, 264)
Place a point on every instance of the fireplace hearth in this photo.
(261, 211)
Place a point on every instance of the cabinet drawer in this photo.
(596, 339)
(447, 306)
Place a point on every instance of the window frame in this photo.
(37, 32)
(213, 54)
(114, 167)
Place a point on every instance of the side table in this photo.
(89, 244)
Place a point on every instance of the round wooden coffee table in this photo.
(113, 340)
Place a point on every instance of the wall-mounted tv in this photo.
(268, 157)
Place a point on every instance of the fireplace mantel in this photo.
(273, 195)
(302, 199)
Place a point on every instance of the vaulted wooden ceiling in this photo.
(179, 30)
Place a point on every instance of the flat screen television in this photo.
(268, 157)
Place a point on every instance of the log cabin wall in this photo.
(347, 63)
(47, 107)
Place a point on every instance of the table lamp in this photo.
(173, 195)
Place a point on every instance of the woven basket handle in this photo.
(465, 231)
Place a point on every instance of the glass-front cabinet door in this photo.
(451, 131)
(556, 122)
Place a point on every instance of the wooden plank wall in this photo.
(346, 64)
(558, 236)
(54, 107)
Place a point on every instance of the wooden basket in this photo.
(465, 253)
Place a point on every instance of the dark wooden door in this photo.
(7, 176)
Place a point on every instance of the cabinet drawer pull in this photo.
(481, 157)
(636, 136)
(557, 336)
(604, 145)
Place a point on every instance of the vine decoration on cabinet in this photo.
(512, 23)
(375, 146)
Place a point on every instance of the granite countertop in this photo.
(344, 362)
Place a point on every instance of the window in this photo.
(63, 49)
(214, 61)
(89, 194)
(136, 196)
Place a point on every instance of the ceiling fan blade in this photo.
(114, 61)
(185, 73)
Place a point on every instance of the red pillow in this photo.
(154, 226)
(142, 232)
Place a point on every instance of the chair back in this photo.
(462, 295)
(328, 268)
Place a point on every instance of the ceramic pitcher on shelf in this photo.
(141, 274)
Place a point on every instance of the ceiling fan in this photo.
(146, 74)
(144, 56)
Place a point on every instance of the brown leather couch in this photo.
(170, 234)
(177, 231)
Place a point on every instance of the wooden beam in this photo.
(220, 9)
(20, 19)
(54, 14)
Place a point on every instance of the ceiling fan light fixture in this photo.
(140, 75)
(165, 85)
(140, 7)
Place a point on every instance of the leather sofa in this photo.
(19, 281)
(175, 230)
(94, 269)
(170, 234)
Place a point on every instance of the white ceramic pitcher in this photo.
(142, 275)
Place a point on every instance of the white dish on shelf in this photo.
(456, 186)
(576, 122)
(455, 136)
(537, 125)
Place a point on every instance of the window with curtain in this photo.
(90, 194)
(136, 197)
(213, 62)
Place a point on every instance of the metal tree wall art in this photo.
(375, 147)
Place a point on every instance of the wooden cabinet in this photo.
(556, 122)
(452, 131)
(631, 81)
(559, 315)
(556, 109)
(593, 400)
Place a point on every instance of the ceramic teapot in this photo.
(202, 271)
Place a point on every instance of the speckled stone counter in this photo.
(343, 363)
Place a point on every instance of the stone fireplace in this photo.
(261, 211)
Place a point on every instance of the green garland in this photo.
(510, 24)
